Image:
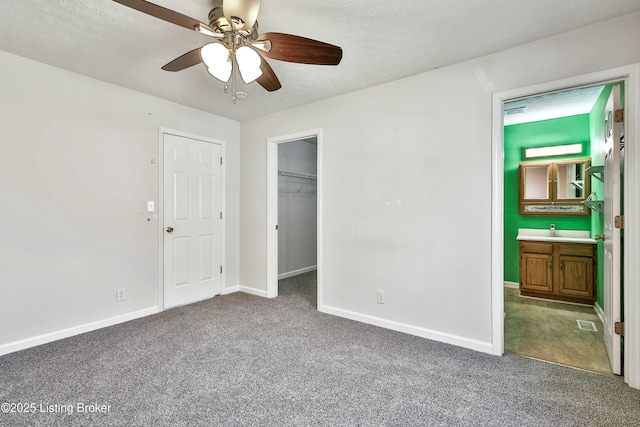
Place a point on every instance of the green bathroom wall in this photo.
(567, 130)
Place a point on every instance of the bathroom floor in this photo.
(548, 330)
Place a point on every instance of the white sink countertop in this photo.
(544, 235)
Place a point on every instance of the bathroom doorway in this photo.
(562, 332)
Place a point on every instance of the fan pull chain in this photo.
(233, 80)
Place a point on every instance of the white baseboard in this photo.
(512, 285)
(297, 272)
(599, 312)
(484, 347)
(253, 291)
(75, 330)
(230, 290)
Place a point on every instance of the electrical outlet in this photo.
(381, 297)
(120, 294)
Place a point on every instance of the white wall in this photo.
(76, 172)
(406, 170)
(297, 209)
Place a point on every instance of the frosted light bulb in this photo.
(249, 64)
(216, 57)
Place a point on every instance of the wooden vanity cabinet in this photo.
(536, 267)
(558, 270)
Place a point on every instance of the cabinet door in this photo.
(536, 272)
(576, 276)
(536, 182)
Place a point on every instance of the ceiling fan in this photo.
(237, 45)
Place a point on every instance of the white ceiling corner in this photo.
(107, 41)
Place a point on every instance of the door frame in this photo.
(272, 208)
(162, 131)
(630, 74)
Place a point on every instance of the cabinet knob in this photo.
(600, 237)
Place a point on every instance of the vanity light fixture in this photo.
(555, 150)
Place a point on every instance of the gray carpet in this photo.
(244, 360)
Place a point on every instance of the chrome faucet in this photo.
(552, 230)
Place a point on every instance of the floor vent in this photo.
(587, 325)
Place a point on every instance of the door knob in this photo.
(600, 237)
(169, 229)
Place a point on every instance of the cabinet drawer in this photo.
(575, 249)
(536, 247)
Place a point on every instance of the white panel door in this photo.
(611, 233)
(192, 220)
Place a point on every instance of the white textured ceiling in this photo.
(551, 106)
(382, 41)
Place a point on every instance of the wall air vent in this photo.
(515, 110)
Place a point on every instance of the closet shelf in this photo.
(298, 175)
(297, 182)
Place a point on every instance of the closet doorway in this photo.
(293, 236)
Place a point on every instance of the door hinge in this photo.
(618, 221)
(618, 328)
(220, 215)
(220, 160)
(276, 226)
(220, 269)
(619, 116)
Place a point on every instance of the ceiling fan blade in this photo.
(164, 14)
(246, 10)
(290, 48)
(268, 79)
(187, 60)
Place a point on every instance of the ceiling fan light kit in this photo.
(248, 63)
(216, 58)
(234, 25)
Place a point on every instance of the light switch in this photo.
(151, 206)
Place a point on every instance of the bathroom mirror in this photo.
(536, 182)
(554, 188)
(570, 181)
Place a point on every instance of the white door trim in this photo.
(272, 207)
(631, 76)
(162, 131)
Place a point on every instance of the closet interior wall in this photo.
(297, 207)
